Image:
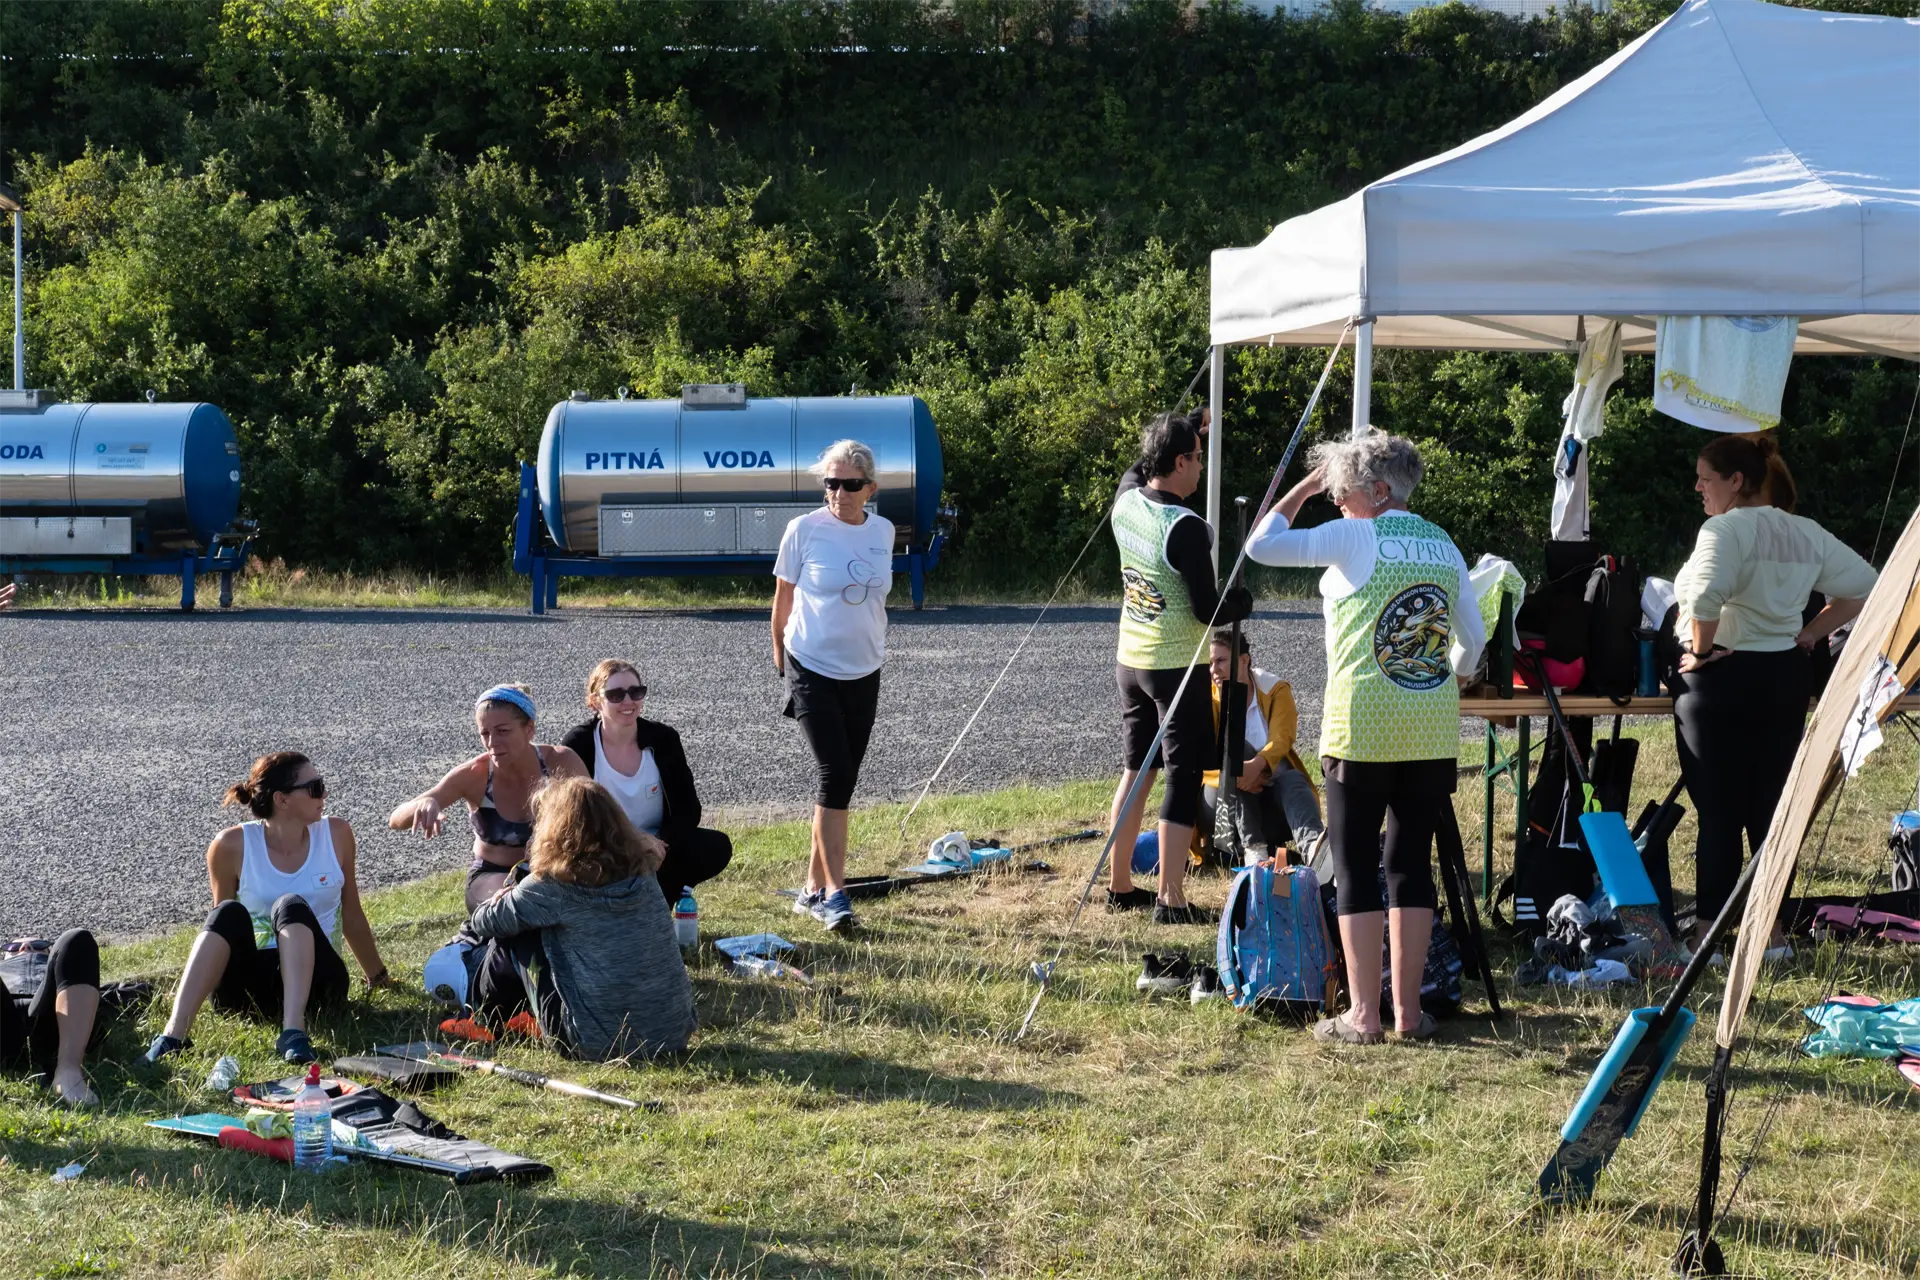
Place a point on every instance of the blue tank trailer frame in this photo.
(534, 556)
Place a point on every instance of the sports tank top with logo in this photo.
(637, 793)
(318, 880)
(1390, 688)
(1157, 628)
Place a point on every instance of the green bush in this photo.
(388, 236)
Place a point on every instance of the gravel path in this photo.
(120, 731)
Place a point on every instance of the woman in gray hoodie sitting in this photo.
(585, 942)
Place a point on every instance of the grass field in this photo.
(272, 584)
(883, 1123)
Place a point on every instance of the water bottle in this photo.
(757, 967)
(686, 919)
(312, 1125)
(1648, 684)
(225, 1074)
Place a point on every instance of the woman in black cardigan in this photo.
(643, 764)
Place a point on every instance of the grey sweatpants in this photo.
(1264, 818)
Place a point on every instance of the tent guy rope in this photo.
(1045, 972)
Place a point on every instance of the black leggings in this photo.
(251, 983)
(1188, 747)
(694, 857)
(837, 717)
(1738, 721)
(512, 974)
(32, 1036)
(1407, 795)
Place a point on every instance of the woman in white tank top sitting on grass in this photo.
(643, 767)
(283, 890)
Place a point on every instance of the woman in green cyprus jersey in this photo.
(1400, 624)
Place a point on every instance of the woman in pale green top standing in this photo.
(1741, 700)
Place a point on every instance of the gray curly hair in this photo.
(851, 452)
(1375, 458)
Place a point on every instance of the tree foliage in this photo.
(386, 236)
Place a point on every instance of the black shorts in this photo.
(1146, 696)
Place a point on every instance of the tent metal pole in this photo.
(1216, 444)
(1362, 377)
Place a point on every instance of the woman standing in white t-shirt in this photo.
(831, 580)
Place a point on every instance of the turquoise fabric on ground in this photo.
(1862, 1031)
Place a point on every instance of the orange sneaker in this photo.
(465, 1029)
(523, 1024)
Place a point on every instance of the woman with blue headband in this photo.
(498, 786)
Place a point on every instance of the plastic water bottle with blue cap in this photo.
(686, 919)
(312, 1125)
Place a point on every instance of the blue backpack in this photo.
(1274, 949)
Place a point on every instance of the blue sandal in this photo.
(296, 1047)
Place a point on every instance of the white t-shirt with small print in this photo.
(841, 574)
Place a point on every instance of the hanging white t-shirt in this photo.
(637, 793)
(841, 574)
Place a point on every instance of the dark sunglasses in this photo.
(834, 484)
(634, 691)
(315, 787)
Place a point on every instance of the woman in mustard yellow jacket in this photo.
(1279, 798)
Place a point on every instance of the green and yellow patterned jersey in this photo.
(1157, 628)
(1390, 688)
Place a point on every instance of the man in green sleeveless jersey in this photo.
(1166, 574)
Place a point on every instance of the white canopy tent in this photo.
(1742, 158)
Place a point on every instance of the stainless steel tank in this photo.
(138, 479)
(718, 474)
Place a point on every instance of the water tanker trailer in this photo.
(131, 489)
(706, 484)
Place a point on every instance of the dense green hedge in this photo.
(386, 236)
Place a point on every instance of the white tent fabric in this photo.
(1740, 159)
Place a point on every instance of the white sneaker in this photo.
(1772, 955)
(805, 900)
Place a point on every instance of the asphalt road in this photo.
(120, 731)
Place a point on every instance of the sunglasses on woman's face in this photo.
(315, 787)
(835, 484)
(634, 691)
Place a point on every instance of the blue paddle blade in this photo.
(1622, 873)
(1615, 1099)
(205, 1125)
(1605, 1076)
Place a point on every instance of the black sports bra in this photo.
(490, 828)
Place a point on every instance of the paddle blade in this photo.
(426, 1051)
(1622, 872)
(1615, 1099)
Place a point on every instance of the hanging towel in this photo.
(1724, 373)
(1486, 578)
(1583, 416)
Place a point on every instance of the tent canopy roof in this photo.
(1742, 158)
